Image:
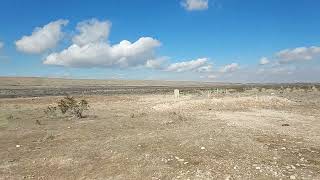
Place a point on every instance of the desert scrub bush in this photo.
(81, 106)
(69, 105)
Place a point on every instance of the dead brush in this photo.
(69, 105)
(50, 111)
(176, 117)
(38, 122)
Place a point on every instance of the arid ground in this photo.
(204, 134)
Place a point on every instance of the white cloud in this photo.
(277, 70)
(92, 31)
(198, 65)
(42, 38)
(1, 44)
(209, 76)
(102, 54)
(91, 49)
(230, 68)
(156, 63)
(264, 61)
(298, 54)
(124, 54)
(195, 5)
(205, 69)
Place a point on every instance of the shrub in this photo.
(69, 105)
(80, 107)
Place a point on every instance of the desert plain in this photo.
(139, 130)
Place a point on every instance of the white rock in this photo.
(18, 145)
(203, 148)
(258, 168)
(228, 177)
(178, 159)
(292, 177)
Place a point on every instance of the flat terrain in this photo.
(268, 134)
(11, 87)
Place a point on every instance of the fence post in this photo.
(176, 93)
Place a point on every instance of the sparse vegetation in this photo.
(69, 105)
(38, 122)
(50, 111)
(10, 117)
(244, 135)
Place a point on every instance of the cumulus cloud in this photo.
(42, 38)
(195, 5)
(230, 68)
(92, 31)
(264, 61)
(90, 48)
(102, 54)
(1, 44)
(198, 65)
(298, 54)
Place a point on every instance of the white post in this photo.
(209, 93)
(176, 93)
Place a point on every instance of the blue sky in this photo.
(205, 40)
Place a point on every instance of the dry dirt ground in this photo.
(232, 136)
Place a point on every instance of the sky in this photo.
(199, 40)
